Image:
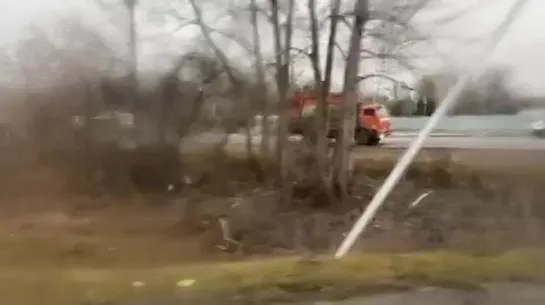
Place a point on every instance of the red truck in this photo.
(373, 120)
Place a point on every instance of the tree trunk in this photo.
(285, 105)
(282, 79)
(322, 147)
(249, 142)
(320, 115)
(264, 147)
(133, 77)
(350, 94)
(321, 87)
(237, 87)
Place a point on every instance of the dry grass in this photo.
(78, 231)
(514, 167)
(272, 279)
(55, 253)
(479, 161)
(459, 161)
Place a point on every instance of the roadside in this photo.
(437, 140)
(104, 248)
(499, 293)
(46, 227)
(384, 278)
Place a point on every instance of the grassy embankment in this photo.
(271, 279)
(281, 278)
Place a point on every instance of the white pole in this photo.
(416, 145)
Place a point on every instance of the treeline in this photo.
(73, 82)
(487, 95)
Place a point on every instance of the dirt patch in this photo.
(146, 246)
(470, 202)
(503, 162)
(472, 205)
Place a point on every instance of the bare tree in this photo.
(130, 6)
(351, 92)
(130, 35)
(318, 136)
(283, 20)
(64, 74)
(488, 94)
(260, 74)
(331, 43)
(282, 63)
(322, 83)
(78, 54)
(237, 85)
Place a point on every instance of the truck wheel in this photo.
(373, 141)
(361, 136)
(310, 135)
(364, 137)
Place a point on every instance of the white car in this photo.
(538, 128)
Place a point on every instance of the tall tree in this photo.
(351, 92)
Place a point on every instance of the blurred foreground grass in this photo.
(268, 279)
(288, 278)
(381, 160)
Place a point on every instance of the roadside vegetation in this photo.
(94, 182)
(281, 280)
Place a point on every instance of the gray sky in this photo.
(521, 49)
(522, 46)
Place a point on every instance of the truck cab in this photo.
(374, 124)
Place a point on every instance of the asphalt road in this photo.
(491, 294)
(505, 293)
(436, 141)
(467, 142)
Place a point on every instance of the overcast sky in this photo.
(522, 49)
